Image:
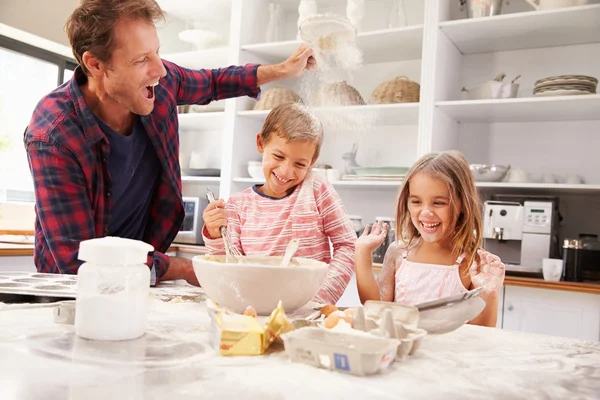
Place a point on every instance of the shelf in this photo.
(526, 109)
(198, 59)
(200, 179)
(348, 184)
(367, 184)
(384, 114)
(527, 30)
(385, 45)
(206, 121)
(554, 187)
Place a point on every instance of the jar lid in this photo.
(571, 244)
(114, 250)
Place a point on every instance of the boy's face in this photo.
(285, 165)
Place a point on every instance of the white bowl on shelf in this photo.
(255, 170)
(202, 39)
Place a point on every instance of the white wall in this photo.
(44, 18)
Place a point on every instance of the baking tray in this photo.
(34, 287)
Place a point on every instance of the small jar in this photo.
(112, 289)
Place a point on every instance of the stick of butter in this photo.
(242, 335)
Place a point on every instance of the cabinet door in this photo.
(17, 263)
(552, 312)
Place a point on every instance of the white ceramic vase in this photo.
(306, 8)
(355, 12)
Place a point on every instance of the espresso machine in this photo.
(522, 232)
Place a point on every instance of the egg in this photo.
(250, 311)
(331, 321)
(328, 309)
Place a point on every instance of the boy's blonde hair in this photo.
(293, 122)
(452, 168)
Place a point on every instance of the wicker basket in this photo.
(397, 90)
(338, 94)
(275, 96)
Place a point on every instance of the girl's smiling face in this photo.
(285, 163)
(430, 209)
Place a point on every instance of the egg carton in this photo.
(37, 284)
(349, 353)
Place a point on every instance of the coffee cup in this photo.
(552, 269)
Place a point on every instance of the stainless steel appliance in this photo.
(191, 227)
(581, 259)
(521, 233)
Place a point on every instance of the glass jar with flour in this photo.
(113, 288)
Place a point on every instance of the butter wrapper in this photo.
(241, 335)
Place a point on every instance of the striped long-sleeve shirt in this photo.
(313, 214)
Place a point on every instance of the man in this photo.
(103, 149)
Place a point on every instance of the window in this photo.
(27, 74)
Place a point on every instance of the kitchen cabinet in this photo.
(17, 263)
(552, 312)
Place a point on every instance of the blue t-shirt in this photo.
(134, 170)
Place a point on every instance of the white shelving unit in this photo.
(202, 121)
(443, 51)
(526, 109)
(384, 114)
(525, 30)
(379, 46)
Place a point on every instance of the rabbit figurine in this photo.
(350, 160)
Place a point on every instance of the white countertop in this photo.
(42, 359)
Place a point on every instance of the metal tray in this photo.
(34, 287)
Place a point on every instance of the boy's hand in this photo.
(368, 242)
(215, 217)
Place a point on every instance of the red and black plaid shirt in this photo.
(68, 156)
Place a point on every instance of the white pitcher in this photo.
(550, 4)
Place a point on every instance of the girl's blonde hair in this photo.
(452, 168)
(293, 122)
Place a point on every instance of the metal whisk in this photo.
(231, 252)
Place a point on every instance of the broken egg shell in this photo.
(250, 311)
(334, 318)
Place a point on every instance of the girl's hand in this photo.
(215, 217)
(370, 241)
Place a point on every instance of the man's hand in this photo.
(180, 268)
(293, 67)
(300, 61)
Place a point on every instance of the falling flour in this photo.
(337, 61)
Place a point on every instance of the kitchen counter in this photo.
(581, 287)
(42, 359)
(10, 249)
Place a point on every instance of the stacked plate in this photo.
(565, 85)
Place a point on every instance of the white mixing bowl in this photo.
(259, 282)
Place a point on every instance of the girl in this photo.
(438, 253)
(293, 203)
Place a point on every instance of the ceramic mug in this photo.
(517, 175)
(552, 269)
